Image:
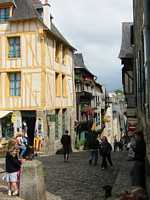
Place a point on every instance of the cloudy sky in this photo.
(93, 27)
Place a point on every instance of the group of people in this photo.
(102, 148)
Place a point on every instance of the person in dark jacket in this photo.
(66, 142)
(93, 146)
(105, 152)
(13, 166)
(138, 170)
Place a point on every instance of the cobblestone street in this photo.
(76, 180)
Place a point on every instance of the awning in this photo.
(4, 113)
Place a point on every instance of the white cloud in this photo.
(94, 28)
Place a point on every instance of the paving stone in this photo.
(76, 180)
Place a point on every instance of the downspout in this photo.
(147, 76)
(146, 31)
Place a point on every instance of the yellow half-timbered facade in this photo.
(36, 74)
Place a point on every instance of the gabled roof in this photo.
(126, 50)
(26, 10)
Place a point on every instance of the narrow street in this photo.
(76, 180)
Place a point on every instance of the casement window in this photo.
(64, 86)
(64, 55)
(57, 52)
(4, 14)
(15, 84)
(58, 84)
(14, 47)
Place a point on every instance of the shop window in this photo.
(56, 123)
(64, 119)
(4, 14)
(15, 84)
(14, 47)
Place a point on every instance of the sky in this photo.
(94, 28)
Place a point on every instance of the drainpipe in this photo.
(147, 69)
(146, 32)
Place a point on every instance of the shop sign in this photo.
(13, 118)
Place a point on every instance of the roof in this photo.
(26, 10)
(79, 62)
(126, 50)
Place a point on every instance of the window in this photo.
(64, 120)
(64, 86)
(57, 123)
(15, 84)
(64, 55)
(58, 84)
(57, 53)
(4, 14)
(14, 47)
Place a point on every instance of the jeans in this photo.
(23, 150)
(93, 156)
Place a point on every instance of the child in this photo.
(13, 166)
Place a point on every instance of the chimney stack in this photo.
(46, 12)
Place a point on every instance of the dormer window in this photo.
(4, 14)
(40, 12)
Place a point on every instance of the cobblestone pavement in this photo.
(76, 180)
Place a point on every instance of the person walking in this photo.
(105, 152)
(138, 170)
(13, 165)
(66, 142)
(93, 147)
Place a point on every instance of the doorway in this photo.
(29, 117)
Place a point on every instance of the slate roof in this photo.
(26, 10)
(79, 62)
(126, 50)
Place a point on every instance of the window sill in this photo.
(18, 58)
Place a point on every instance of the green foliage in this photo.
(119, 92)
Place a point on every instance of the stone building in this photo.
(128, 74)
(141, 71)
(36, 74)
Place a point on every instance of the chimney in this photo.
(46, 13)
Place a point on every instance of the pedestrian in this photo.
(105, 152)
(93, 147)
(22, 144)
(138, 170)
(66, 142)
(13, 165)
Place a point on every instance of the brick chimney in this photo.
(46, 12)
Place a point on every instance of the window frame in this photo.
(16, 54)
(14, 84)
(6, 14)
